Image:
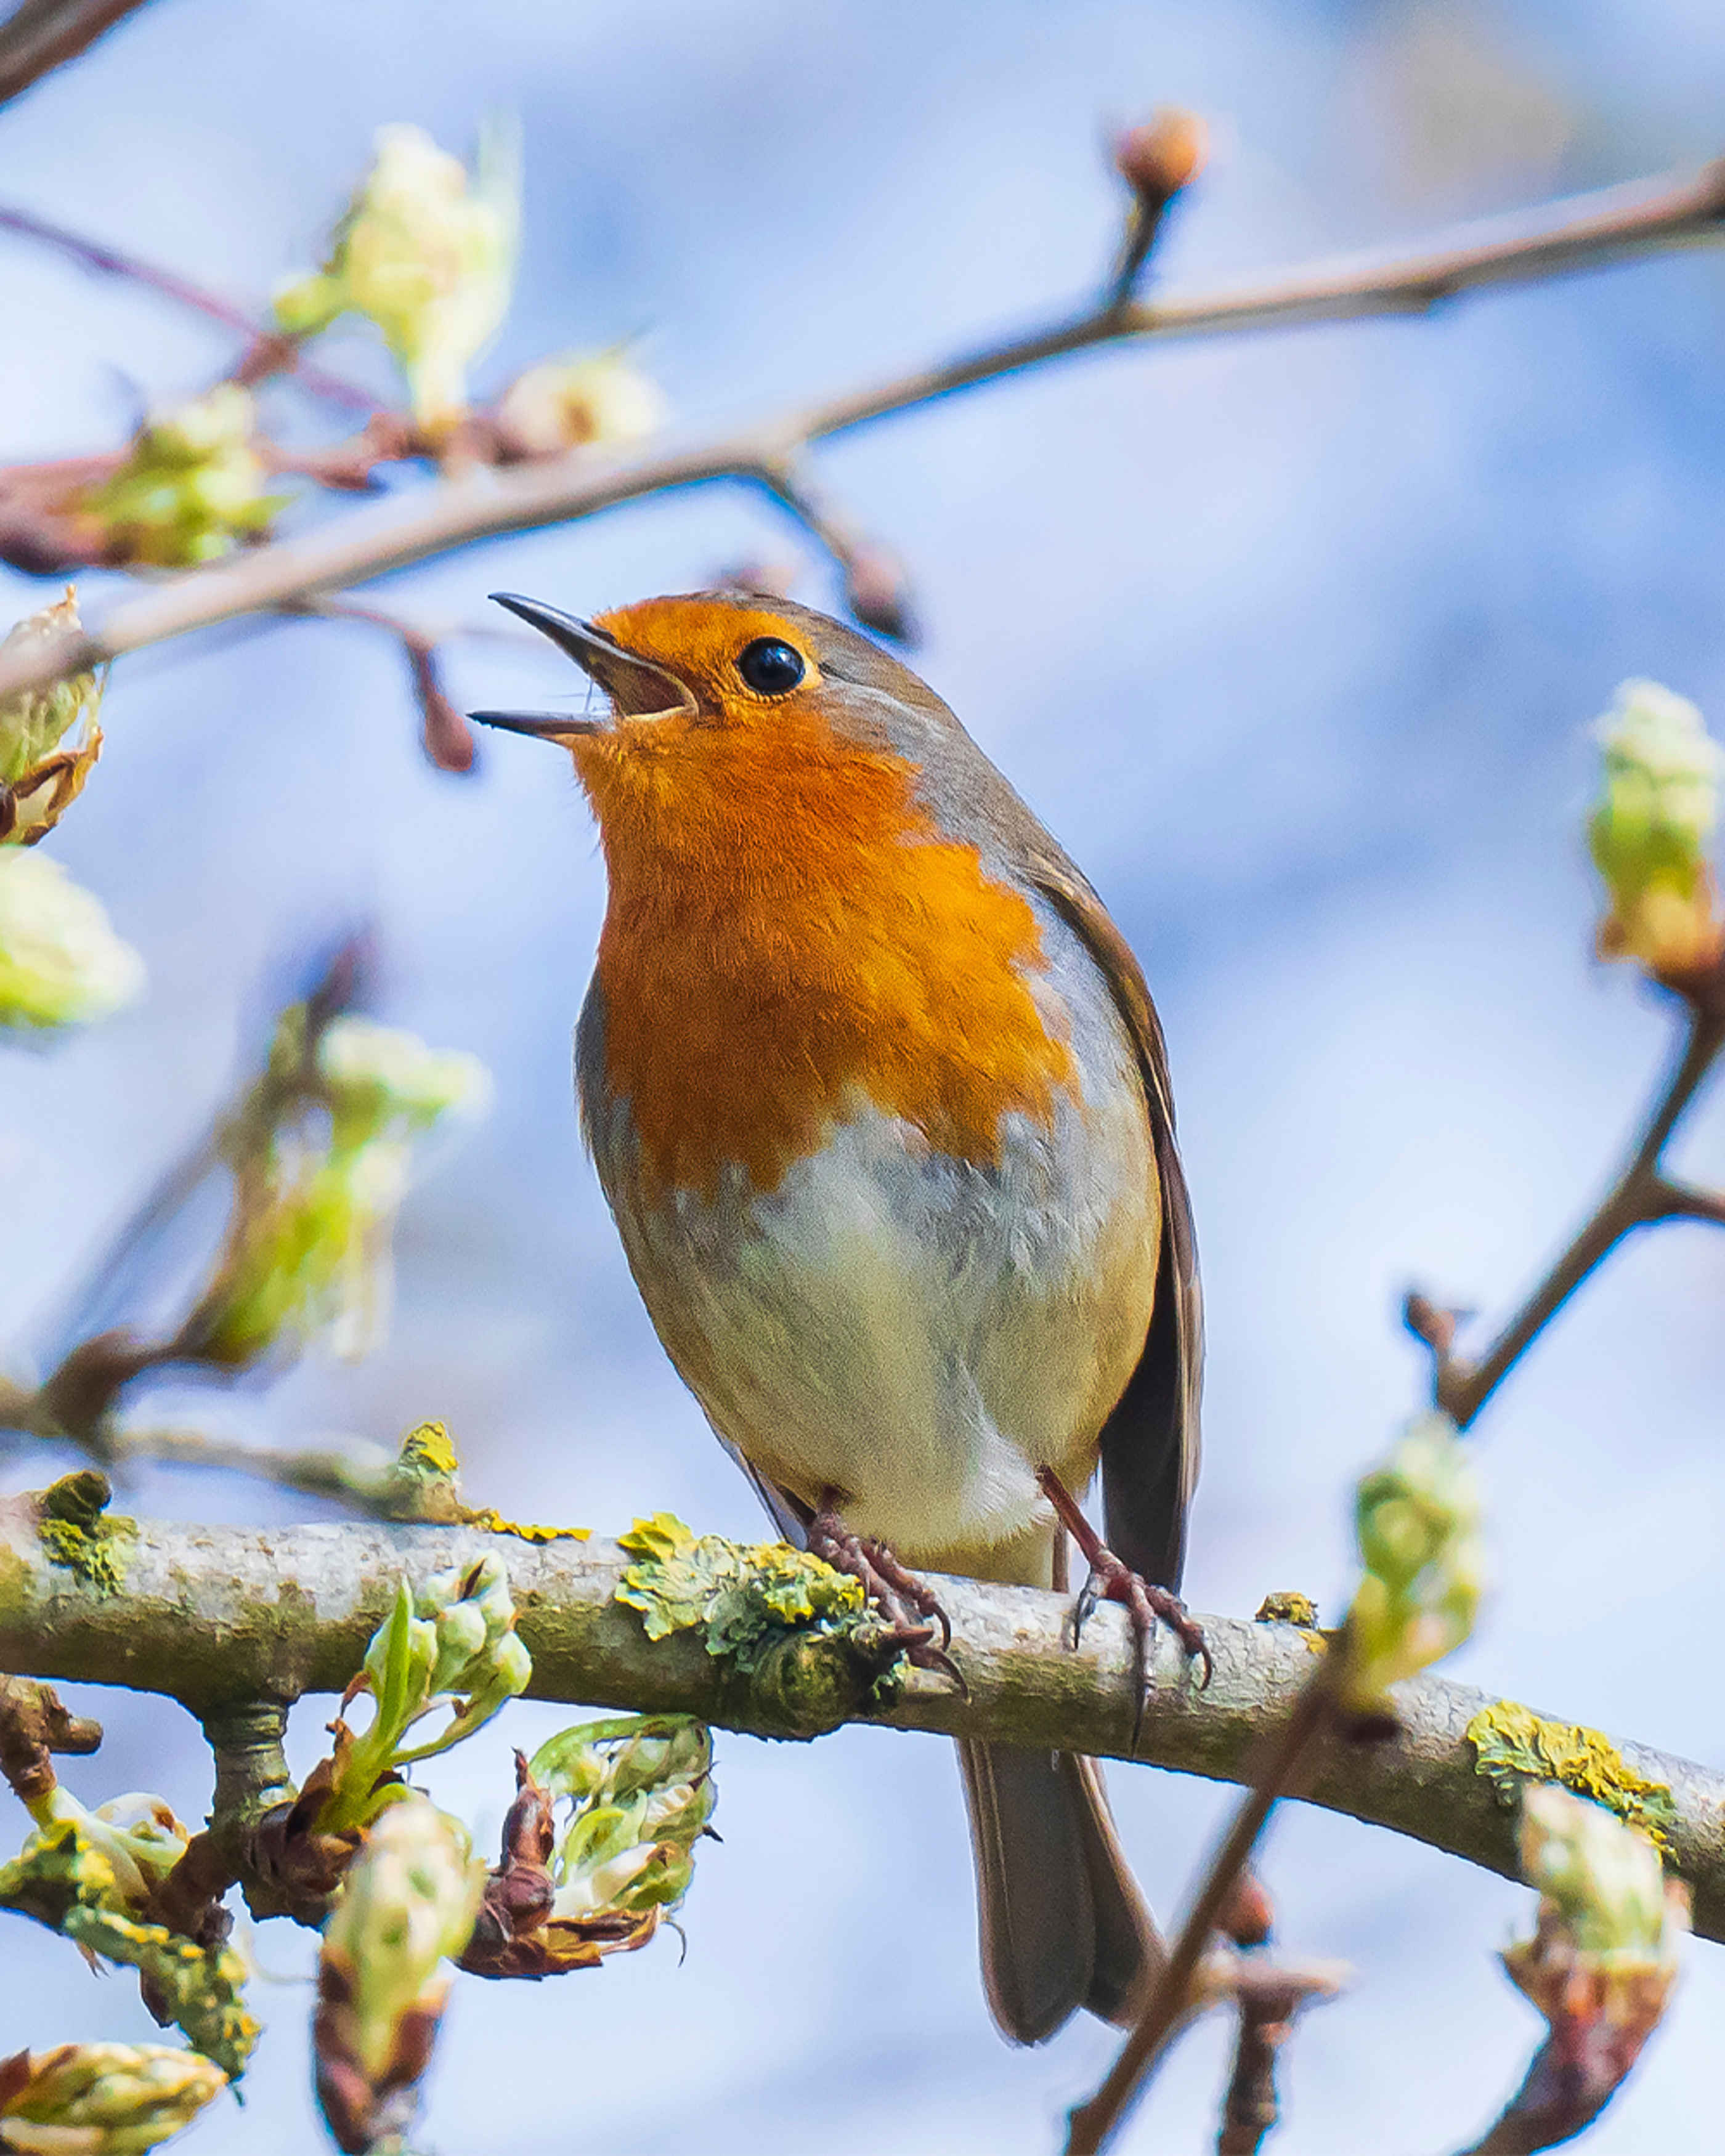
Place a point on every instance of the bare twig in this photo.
(1641, 1195)
(1268, 1996)
(371, 1485)
(875, 588)
(1091, 2124)
(1585, 233)
(1158, 160)
(268, 351)
(444, 732)
(34, 1726)
(40, 35)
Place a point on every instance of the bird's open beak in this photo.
(636, 687)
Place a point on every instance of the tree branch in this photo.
(40, 35)
(1583, 233)
(1642, 1195)
(209, 1615)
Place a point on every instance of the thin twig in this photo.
(1583, 233)
(268, 351)
(373, 1487)
(1641, 1195)
(1091, 2124)
(875, 588)
(1268, 1996)
(40, 35)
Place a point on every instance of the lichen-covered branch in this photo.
(1585, 233)
(209, 1615)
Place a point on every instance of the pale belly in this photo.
(913, 1333)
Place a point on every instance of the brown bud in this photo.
(1162, 154)
(1247, 1917)
(34, 1723)
(447, 739)
(877, 594)
(1431, 1323)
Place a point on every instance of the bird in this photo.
(879, 1102)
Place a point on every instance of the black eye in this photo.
(771, 666)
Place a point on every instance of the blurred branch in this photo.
(1642, 1196)
(1583, 233)
(267, 351)
(372, 1485)
(444, 733)
(1268, 1996)
(1276, 1774)
(40, 35)
(207, 1615)
(875, 590)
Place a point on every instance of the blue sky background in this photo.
(1293, 638)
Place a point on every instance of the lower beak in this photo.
(636, 687)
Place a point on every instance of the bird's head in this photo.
(717, 676)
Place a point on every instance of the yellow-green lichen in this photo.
(427, 1480)
(1288, 1606)
(1512, 1745)
(742, 1598)
(77, 1531)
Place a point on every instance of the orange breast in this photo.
(790, 936)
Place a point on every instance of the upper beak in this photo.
(636, 687)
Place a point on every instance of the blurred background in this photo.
(1293, 638)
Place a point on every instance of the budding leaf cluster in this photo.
(1608, 1941)
(425, 251)
(61, 964)
(451, 1647)
(579, 400)
(87, 1874)
(1651, 830)
(192, 485)
(317, 1194)
(1417, 1519)
(408, 1903)
(101, 2099)
(643, 1795)
(48, 737)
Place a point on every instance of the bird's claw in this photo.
(910, 1605)
(1110, 1580)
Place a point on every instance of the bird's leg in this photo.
(1110, 1580)
(900, 1597)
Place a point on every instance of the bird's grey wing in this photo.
(1150, 1442)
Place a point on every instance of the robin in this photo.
(880, 1103)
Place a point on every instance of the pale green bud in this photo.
(1650, 833)
(570, 403)
(1605, 1879)
(428, 253)
(409, 1900)
(60, 962)
(136, 1836)
(377, 1072)
(1417, 1522)
(193, 484)
(104, 2099)
(644, 1794)
(48, 737)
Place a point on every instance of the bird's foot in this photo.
(910, 1606)
(1111, 1579)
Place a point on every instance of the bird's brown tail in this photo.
(1062, 1921)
